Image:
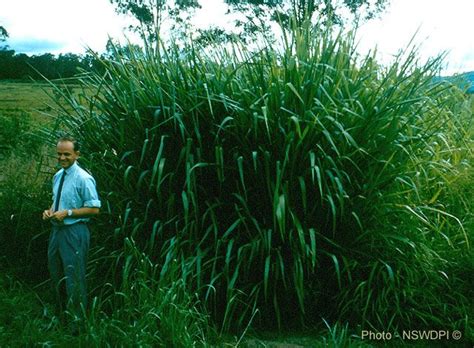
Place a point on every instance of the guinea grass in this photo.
(293, 181)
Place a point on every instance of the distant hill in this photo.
(464, 81)
(469, 76)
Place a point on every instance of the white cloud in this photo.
(75, 24)
(440, 25)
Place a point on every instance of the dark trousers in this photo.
(67, 259)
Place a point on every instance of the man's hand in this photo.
(47, 214)
(59, 215)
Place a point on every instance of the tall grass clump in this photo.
(141, 308)
(289, 183)
(22, 194)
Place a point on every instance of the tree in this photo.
(45, 64)
(150, 13)
(257, 14)
(325, 11)
(3, 34)
(68, 65)
(6, 63)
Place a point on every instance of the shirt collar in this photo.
(72, 168)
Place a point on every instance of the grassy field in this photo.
(270, 201)
(17, 98)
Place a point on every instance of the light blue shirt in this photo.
(79, 190)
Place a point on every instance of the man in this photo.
(75, 200)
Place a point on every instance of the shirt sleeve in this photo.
(89, 193)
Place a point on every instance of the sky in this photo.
(62, 26)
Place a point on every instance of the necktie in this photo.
(58, 197)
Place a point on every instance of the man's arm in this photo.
(76, 213)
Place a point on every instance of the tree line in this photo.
(20, 66)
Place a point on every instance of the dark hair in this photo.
(70, 138)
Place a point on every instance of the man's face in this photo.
(66, 154)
